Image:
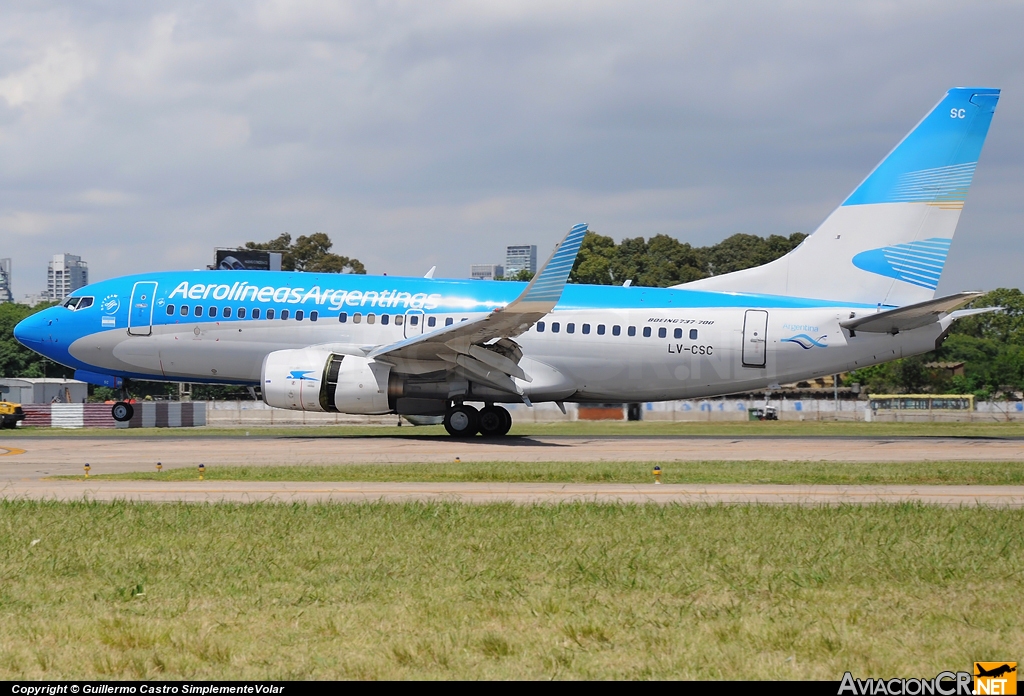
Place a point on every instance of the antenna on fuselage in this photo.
(430, 273)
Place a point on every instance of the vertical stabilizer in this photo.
(887, 243)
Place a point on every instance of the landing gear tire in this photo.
(122, 412)
(495, 421)
(462, 421)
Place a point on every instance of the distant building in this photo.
(5, 281)
(486, 271)
(35, 299)
(522, 257)
(66, 274)
(41, 390)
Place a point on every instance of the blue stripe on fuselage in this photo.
(333, 293)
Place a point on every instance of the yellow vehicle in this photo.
(10, 414)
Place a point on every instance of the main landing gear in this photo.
(465, 421)
(123, 411)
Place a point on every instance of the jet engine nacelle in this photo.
(312, 379)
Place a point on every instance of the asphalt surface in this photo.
(26, 464)
(66, 456)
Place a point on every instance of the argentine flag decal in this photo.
(917, 263)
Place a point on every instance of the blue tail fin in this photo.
(888, 241)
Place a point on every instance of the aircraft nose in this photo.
(32, 331)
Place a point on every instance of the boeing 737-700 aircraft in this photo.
(857, 292)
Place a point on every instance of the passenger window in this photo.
(631, 331)
(555, 326)
(570, 328)
(314, 315)
(284, 314)
(678, 333)
(356, 318)
(384, 319)
(371, 318)
(299, 314)
(184, 310)
(448, 321)
(270, 314)
(227, 312)
(399, 319)
(662, 332)
(343, 317)
(414, 320)
(600, 329)
(586, 328)
(647, 332)
(432, 321)
(540, 327)
(693, 334)
(170, 309)
(255, 312)
(616, 330)
(213, 312)
(241, 312)
(199, 311)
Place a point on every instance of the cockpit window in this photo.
(77, 303)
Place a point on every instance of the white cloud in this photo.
(60, 69)
(143, 136)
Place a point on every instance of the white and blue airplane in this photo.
(859, 291)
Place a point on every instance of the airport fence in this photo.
(256, 413)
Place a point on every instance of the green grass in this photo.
(892, 473)
(138, 591)
(578, 428)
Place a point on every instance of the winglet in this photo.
(544, 291)
(430, 273)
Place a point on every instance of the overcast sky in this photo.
(142, 135)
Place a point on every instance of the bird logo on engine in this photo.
(301, 374)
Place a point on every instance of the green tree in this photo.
(663, 260)
(309, 253)
(523, 276)
(593, 265)
(742, 251)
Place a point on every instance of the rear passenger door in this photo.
(755, 333)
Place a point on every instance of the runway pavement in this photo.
(36, 457)
(522, 493)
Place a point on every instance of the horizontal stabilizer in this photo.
(910, 317)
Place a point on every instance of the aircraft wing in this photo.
(914, 316)
(482, 348)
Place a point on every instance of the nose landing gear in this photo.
(123, 411)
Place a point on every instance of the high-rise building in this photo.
(66, 274)
(486, 271)
(522, 257)
(6, 294)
